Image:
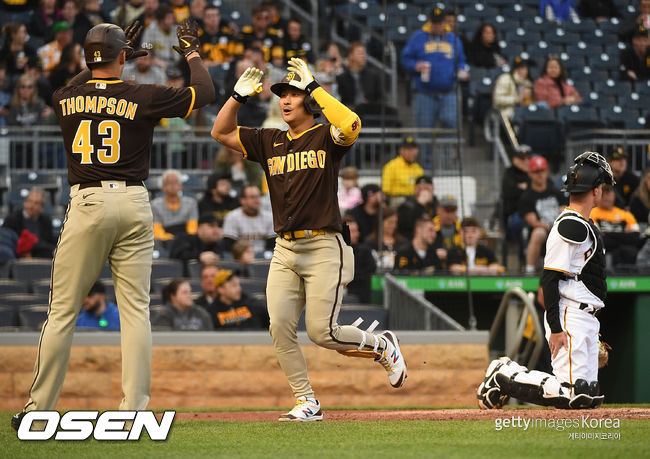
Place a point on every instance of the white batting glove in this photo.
(299, 67)
(249, 84)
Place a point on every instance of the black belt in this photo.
(594, 312)
(98, 184)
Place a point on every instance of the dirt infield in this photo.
(428, 415)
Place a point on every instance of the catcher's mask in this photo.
(589, 171)
(289, 82)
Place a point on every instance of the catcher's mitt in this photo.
(603, 353)
(188, 38)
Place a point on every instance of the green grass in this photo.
(345, 439)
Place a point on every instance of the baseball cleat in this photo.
(392, 359)
(16, 419)
(307, 409)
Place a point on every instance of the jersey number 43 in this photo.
(109, 131)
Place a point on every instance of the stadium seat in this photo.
(634, 100)
(17, 300)
(531, 113)
(562, 36)
(577, 118)
(29, 271)
(8, 318)
(614, 117)
(613, 87)
(166, 268)
(259, 269)
(32, 317)
(10, 286)
(579, 48)
(514, 12)
(510, 50)
(481, 11)
(583, 25)
(41, 287)
(253, 285)
(604, 61)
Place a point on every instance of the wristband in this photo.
(239, 98)
(312, 86)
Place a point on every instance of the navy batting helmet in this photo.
(288, 82)
(104, 43)
(589, 171)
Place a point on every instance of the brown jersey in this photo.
(302, 174)
(107, 126)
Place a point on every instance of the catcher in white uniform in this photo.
(574, 287)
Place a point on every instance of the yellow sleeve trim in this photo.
(241, 144)
(160, 233)
(191, 103)
(104, 81)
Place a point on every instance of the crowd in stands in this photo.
(397, 224)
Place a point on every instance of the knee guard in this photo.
(522, 386)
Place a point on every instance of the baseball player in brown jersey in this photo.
(107, 127)
(311, 262)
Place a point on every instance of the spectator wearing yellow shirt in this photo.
(618, 227)
(399, 174)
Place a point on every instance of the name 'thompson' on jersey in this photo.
(107, 126)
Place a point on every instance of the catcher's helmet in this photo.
(311, 106)
(104, 43)
(589, 171)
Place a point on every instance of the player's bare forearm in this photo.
(200, 80)
(224, 129)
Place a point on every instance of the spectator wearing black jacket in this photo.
(232, 309)
(366, 213)
(484, 49)
(32, 218)
(206, 245)
(359, 84)
(515, 181)
(635, 59)
(423, 202)
(180, 312)
(420, 253)
(364, 264)
(598, 10)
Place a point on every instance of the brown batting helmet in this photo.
(288, 82)
(104, 43)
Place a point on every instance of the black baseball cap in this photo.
(423, 179)
(173, 72)
(208, 217)
(437, 15)
(520, 61)
(408, 142)
(616, 152)
(523, 150)
(98, 287)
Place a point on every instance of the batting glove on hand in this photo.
(249, 84)
(306, 80)
(188, 38)
(132, 33)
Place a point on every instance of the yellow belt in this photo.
(301, 234)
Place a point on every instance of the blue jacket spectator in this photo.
(558, 10)
(442, 51)
(97, 312)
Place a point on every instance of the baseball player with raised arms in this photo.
(574, 287)
(107, 127)
(312, 262)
